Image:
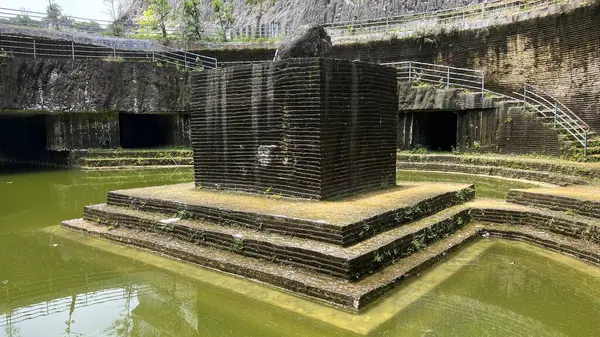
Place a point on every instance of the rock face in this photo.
(90, 86)
(306, 41)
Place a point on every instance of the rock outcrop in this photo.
(306, 41)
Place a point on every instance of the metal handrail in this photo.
(487, 10)
(472, 79)
(413, 71)
(30, 46)
(545, 104)
(492, 9)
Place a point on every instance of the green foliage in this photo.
(156, 16)
(418, 149)
(116, 10)
(54, 17)
(21, 20)
(259, 5)
(192, 24)
(223, 10)
(104, 142)
(238, 243)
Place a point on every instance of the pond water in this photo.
(58, 283)
(485, 186)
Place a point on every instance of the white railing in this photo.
(474, 80)
(44, 48)
(23, 17)
(411, 71)
(552, 109)
(490, 10)
(64, 304)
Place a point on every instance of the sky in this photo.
(90, 9)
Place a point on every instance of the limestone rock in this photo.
(305, 41)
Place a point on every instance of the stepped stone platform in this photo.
(330, 289)
(553, 171)
(582, 200)
(562, 223)
(266, 238)
(342, 221)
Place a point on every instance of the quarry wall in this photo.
(60, 85)
(558, 53)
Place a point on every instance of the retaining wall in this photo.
(558, 53)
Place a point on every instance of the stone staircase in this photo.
(350, 240)
(102, 159)
(346, 252)
(557, 172)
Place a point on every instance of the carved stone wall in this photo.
(312, 128)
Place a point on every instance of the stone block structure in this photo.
(311, 128)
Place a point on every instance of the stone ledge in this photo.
(344, 221)
(350, 263)
(583, 200)
(351, 296)
(542, 176)
(576, 227)
(556, 166)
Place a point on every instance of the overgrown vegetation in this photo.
(223, 11)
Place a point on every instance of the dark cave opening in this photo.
(22, 136)
(436, 130)
(146, 130)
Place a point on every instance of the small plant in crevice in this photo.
(104, 142)
(238, 243)
(378, 257)
(418, 243)
(183, 214)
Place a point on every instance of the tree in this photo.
(261, 6)
(54, 17)
(223, 9)
(117, 10)
(156, 16)
(191, 19)
(161, 9)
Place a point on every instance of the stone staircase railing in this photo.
(488, 10)
(545, 105)
(28, 46)
(552, 109)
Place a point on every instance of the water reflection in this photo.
(54, 286)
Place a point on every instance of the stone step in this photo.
(554, 166)
(141, 161)
(593, 158)
(351, 263)
(334, 291)
(138, 153)
(543, 176)
(583, 200)
(343, 221)
(560, 222)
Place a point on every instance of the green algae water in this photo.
(485, 187)
(58, 283)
